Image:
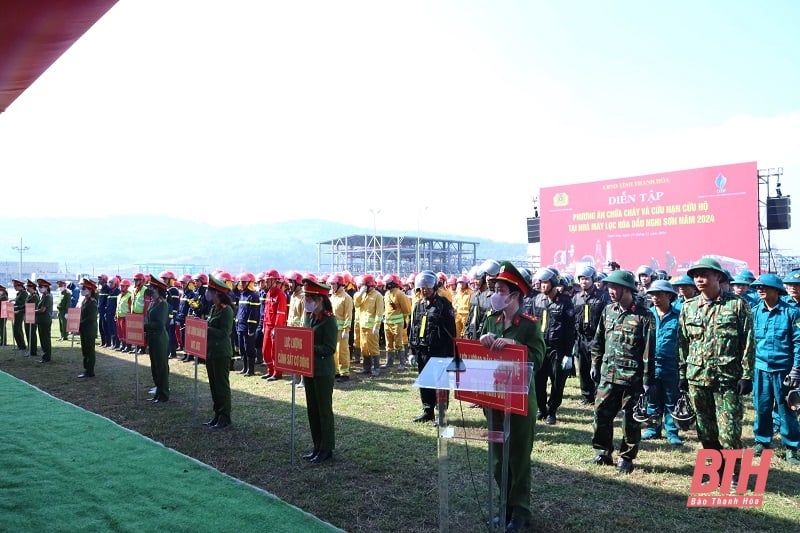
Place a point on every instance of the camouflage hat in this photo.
(769, 280)
(708, 263)
(661, 285)
(622, 277)
(792, 277)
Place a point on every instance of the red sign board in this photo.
(30, 313)
(294, 350)
(134, 329)
(74, 320)
(196, 337)
(659, 220)
(7, 309)
(516, 353)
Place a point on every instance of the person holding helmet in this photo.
(219, 351)
(776, 327)
(623, 353)
(123, 310)
(686, 289)
(664, 393)
(479, 303)
(461, 300)
(275, 307)
(716, 352)
(342, 308)
(155, 333)
(507, 324)
(556, 315)
(87, 327)
(431, 333)
(247, 321)
(589, 305)
(397, 309)
(369, 305)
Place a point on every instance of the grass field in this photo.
(384, 476)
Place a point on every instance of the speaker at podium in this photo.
(779, 212)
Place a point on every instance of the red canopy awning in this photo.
(34, 33)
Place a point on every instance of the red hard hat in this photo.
(358, 280)
(311, 276)
(202, 277)
(246, 277)
(348, 277)
(392, 278)
(368, 279)
(464, 279)
(167, 274)
(336, 278)
(225, 276)
(125, 283)
(138, 276)
(273, 274)
(441, 276)
(292, 275)
(186, 278)
(380, 281)
(452, 280)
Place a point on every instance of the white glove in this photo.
(345, 334)
(566, 362)
(376, 329)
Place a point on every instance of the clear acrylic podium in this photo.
(502, 379)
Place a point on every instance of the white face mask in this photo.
(42, 290)
(85, 292)
(499, 301)
(310, 306)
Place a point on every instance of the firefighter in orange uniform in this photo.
(275, 307)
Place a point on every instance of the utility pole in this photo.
(21, 249)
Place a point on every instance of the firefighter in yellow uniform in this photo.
(369, 303)
(461, 300)
(397, 307)
(342, 305)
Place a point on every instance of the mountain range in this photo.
(125, 244)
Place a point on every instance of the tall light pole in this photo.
(419, 216)
(21, 249)
(375, 213)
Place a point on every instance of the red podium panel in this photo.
(30, 313)
(196, 337)
(134, 329)
(294, 351)
(7, 309)
(515, 353)
(74, 320)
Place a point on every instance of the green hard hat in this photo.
(709, 263)
(769, 280)
(622, 277)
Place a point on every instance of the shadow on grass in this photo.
(384, 475)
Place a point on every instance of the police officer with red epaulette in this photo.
(589, 304)
(557, 317)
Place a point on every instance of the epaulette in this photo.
(327, 313)
(529, 317)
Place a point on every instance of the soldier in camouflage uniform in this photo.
(716, 351)
(623, 355)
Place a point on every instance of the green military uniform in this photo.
(623, 357)
(716, 349)
(44, 322)
(3, 332)
(63, 308)
(30, 329)
(155, 330)
(88, 334)
(218, 361)
(19, 316)
(319, 389)
(524, 330)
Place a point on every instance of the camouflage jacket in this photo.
(624, 345)
(715, 340)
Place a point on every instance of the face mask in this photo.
(499, 301)
(42, 290)
(85, 293)
(310, 306)
(209, 296)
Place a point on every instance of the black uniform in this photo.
(173, 304)
(589, 307)
(247, 321)
(557, 318)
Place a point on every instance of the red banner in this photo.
(74, 320)
(666, 221)
(30, 313)
(516, 353)
(134, 329)
(196, 337)
(7, 309)
(294, 351)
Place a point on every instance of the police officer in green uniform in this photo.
(219, 350)
(506, 325)
(155, 332)
(716, 354)
(87, 329)
(44, 319)
(3, 332)
(64, 300)
(19, 314)
(319, 389)
(32, 297)
(623, 364)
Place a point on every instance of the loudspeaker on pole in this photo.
(779, 213)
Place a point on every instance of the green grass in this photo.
(384, 476)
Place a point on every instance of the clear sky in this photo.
(447, 115)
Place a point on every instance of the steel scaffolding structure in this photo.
(402, 255)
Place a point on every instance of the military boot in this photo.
(389, 360)
(376, 361)
(367, 365)
(403, 359)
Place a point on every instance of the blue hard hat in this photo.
(683, 279)
(661, 285)
(769, 280)
(748, 275)
(792, 277)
